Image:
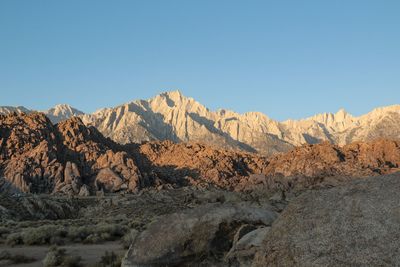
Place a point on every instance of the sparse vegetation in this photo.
(128, 238)
(58, 257)
(97, 234)
(60, 234)
(14, 239)
(42, 235)
(110, 259)
(16, 259)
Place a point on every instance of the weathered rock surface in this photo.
(353, 225)
(189, 237)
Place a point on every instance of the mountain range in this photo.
(173, 116)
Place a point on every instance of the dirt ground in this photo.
(90, 253)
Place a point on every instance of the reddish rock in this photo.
(39, 157)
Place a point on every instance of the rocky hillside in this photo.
(304, 167)
(172, 116)
(40, 157)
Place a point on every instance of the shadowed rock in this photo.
(188, 237)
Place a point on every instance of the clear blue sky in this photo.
(288, 59)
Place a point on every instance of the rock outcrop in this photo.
(308, 166)
(353, 225)
(187, 238)
(39, 157)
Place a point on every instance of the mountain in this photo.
(56, 114)
(9, 110)
(172, 116)
(343, 128)
(62, 112)
(37, 156)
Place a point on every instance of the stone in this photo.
(357, 224)
(84, 191)
(108, 180)
(243, 250)
(183, 238)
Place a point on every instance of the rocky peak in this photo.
(174, 95)
(62, 112)
(341, 115)
(8, 110)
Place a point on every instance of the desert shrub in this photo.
(128, 238)
(58, 257)
(78, 233)
(54, 257)
(96, 233)
(113, 230)
(5, 255)
(110, 259)
(72, 261)
(42, 235)
(4, 231)
(14, 239)
(93, 239)
(103, 232)
(16, 259)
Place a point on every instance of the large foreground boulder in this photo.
(353, 225)
(202, 233)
